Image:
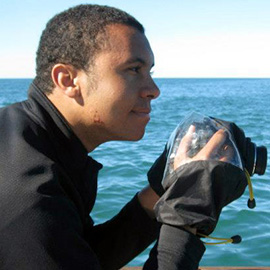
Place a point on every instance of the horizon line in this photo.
(27, 78)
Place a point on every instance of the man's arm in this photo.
(176, 249)
(119, 240)
(40, 227)
(148, 198)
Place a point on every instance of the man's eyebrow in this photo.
(137, 59)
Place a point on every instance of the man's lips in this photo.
(142, 112)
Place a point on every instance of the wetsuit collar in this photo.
(71, 151)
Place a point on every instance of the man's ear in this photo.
(65, 79)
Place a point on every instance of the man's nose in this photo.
(151, 90)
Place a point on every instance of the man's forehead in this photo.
(121, 29)
(130, 43)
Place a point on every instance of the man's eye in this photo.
(135, 69)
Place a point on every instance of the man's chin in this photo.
(136, 136)
(139, 135)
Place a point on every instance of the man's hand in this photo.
(214, 146)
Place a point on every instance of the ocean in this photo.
(243, 101)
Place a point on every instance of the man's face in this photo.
(117, 100)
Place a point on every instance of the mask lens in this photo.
(261, 160)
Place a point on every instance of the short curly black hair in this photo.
(71, 37)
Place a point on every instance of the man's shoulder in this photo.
(18, 119)
(21, 132)
(15, 111)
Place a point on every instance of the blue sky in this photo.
(190, 38)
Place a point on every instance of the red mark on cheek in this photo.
(97, 119)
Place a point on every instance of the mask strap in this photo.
(236, 239)
(251, 201)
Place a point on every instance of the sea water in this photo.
(243, 101)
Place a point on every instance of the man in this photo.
(93, 85)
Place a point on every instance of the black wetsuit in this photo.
(48, 186)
